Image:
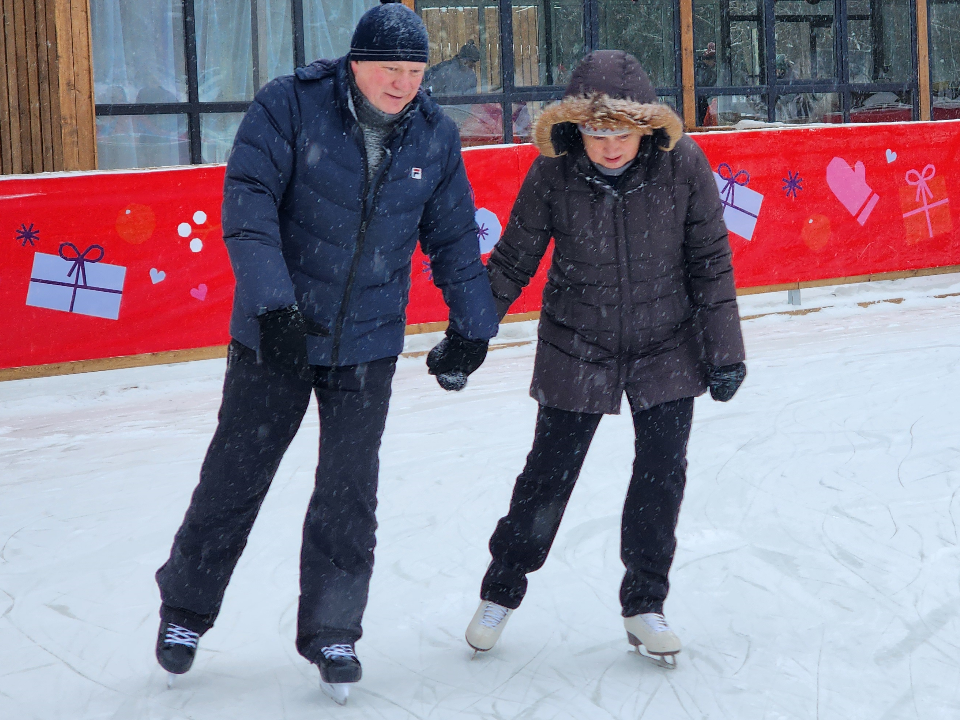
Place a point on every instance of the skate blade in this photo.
(668, 661)
(664, 660)
(170, 677)
(338, 692)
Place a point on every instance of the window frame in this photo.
(773, 89)
(683, 91)
(193, 108)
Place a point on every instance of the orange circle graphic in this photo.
(816, 232)
(136, 223)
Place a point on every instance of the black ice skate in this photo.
(338, 667)
(176, 648)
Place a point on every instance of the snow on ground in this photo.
(816, 575)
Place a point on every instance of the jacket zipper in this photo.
(366, 211)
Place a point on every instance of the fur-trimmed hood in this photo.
(608, 89)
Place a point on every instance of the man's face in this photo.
(390, 85)
(612, 151)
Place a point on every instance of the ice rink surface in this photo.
(817, 575)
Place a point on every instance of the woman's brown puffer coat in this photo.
(640, 295)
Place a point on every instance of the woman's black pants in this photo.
(523, 537)
(260, 414)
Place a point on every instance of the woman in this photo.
(640, 299)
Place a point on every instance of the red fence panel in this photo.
(841, 201)
(110, 264)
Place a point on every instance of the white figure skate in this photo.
(487, 624)
(650, 634)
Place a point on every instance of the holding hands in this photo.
(454, 358)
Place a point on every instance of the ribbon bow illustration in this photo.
(919, 180)
(741, 177)
(80, 259)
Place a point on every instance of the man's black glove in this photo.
(724, 381)
(283, 340)
(454, 358)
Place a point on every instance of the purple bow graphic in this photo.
(80, 260)
(741, 177)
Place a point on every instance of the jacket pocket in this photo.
(572, 313)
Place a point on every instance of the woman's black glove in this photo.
(724, 381)
(454, 358)
(283, 340)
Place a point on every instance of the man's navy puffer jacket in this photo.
(302, 225)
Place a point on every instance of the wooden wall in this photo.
(46, 87)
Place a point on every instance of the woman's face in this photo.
(612, 151)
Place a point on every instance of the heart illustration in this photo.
(199, 292)
(157, 275)
(891, 156)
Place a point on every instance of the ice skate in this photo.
(339, 667)
(487, 624)
(650, 634)
(176, 649)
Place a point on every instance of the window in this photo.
(648, 30)
(804, 61)
(944, 18)
(494, 89)
(172, 78)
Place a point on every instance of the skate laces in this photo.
(656, 621)
(493, 615)
(332, 652)
(177, 635)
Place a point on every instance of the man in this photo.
(335, 173)
(456, 76)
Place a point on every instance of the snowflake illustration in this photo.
(482, 232)
(427, 269)
(27, 235)
(792, 184)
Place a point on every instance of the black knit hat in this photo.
(391, 32)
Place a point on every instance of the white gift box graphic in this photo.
(76, 282)
(741, 205)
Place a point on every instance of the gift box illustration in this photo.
(926, 207)
(741, 205)
(77, 282)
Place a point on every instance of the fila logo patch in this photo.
(416, 173)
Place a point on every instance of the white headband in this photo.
(598, 132)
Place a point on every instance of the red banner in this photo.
(110, 264)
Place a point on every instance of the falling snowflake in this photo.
(27, 235)
(792, 184)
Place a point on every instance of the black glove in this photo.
(283, 340)
(724, 381)
(454, 358)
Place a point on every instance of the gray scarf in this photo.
(376, 125)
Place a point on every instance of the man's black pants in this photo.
(261, 411)
(523, 537)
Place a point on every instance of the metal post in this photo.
(193, 82)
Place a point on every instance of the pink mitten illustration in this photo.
(850, 187)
